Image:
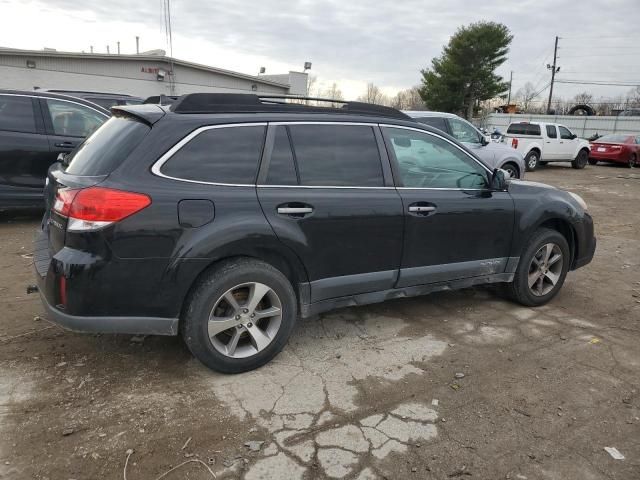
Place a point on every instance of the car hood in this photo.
(493, 153)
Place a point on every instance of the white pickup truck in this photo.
(540, 143)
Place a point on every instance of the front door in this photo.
(68, 123)
(330, 199)
(552, 147)
(455, 226)
(568, 143)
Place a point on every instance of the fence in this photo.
(582, 125)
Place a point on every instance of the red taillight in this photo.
(514, 142)
(95, 207)
(62, 290)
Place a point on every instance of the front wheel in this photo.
(531, 160)
(511, 169)
(542, 269)
(581, 160)
(239, 316)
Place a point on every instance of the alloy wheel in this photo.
(511, 170)
(545, 269)
(533, 161)
(245, 320)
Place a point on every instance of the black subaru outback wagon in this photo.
(225, 217)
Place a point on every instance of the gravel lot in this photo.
(369, 392)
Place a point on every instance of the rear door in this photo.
(455, 226)
(552, 149)
(328, 194)
(68, 123)
(24, 150)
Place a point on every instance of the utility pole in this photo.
(554, 70)
(510, 83)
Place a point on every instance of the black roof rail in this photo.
(256, 103)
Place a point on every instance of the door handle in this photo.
(421, 209)
(65, 145)
(294, 210)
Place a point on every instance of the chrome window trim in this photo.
(55, 98)
(155, 168)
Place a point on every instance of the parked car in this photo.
(35, 127)
(160, 99)
(226, 217)
(541, 143)
(495, 155)
(616, 148)
(105, 100)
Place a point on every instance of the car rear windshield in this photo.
(523, 129)
(103, 151)
(612, 139)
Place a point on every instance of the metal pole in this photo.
(510, 83)
(108, 52)
(118, 48)
(137, 44)
(553, 74)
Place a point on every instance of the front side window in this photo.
(565, 133)
(16, 114)
(551, 131)
(337, 155)
(73, 120)
(463, 132)
(219, 155)
(427, 161)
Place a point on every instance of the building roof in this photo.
(153, 55)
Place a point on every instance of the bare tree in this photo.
(408, 99)
(526, 95)
(633, 97)
(584, 98)
(334, 93)
(372, 95)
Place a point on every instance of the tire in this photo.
(543, 290)
(251, 342)
(581, 160)
(511, 169)
(531, 160)
(633, 161)
(593, 161)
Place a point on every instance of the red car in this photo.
(617, 148)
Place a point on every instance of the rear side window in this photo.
(524, 129)
(282, 170)
(16, 114)
(337, 155)
(435, 122)
(219, 155)
(551, 131)
(103, 151)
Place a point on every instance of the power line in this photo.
(580, 82)
(602, 55)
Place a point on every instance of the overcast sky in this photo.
(350, 42)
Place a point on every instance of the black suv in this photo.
(35, 127)
(224, 217)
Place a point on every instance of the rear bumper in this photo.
(128, 325)
(607, 157)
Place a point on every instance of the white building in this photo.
(142, 75)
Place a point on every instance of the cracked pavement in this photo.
(359, 393)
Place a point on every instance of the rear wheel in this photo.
(593, 161)
(581, 160)
(542, 269)
(531, 160)
(239, 316)
(633, 160)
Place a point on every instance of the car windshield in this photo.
(613, 139)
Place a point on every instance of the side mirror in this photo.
(573, 136)
(484, 141)
(498, 180)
